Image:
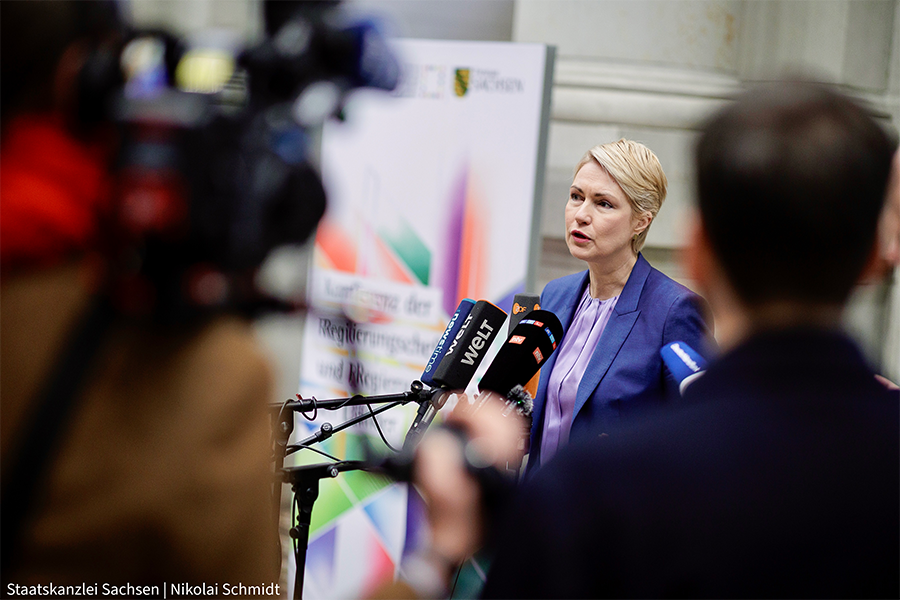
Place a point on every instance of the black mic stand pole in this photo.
(327, 429)
(304, 482)
(416, 393)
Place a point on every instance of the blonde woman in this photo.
(619, 312)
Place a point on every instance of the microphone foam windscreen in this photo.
(468, 348)
(530, 345)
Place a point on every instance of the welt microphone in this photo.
(683, 362)
(469, 346)
(528, 347)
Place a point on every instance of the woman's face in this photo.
(599, 220)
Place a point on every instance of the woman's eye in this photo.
(574, 198)
(603, 204)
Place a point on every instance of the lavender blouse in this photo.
(575, 353)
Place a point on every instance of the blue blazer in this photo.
(626, 373)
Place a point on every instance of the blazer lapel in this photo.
(614, 335)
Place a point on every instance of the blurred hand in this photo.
(453, 494)
(887, 383)
(496, 435)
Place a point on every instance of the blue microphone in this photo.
(453, 327)
(683, 362)
(428, 410)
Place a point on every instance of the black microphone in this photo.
(528, 347)
(469, 346)
(522, 305)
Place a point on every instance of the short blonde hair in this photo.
(638, 172)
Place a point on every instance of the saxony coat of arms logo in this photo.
(461, 82)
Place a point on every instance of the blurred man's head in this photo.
(791, 180)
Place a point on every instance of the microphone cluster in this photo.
(533, 336)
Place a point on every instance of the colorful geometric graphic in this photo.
(408, 248)
(402, 256)
(362, 553)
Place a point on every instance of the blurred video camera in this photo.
(214, 169)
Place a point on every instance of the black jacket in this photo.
(778, 477)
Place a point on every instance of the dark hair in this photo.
(791, 179)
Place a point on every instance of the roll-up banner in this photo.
(433, 196)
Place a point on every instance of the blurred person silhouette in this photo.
(779, 476)
(136, 440)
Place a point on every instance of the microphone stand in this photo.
(305, 479)
(304, 482)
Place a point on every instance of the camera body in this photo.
(214, 167)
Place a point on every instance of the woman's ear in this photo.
(643, 222)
